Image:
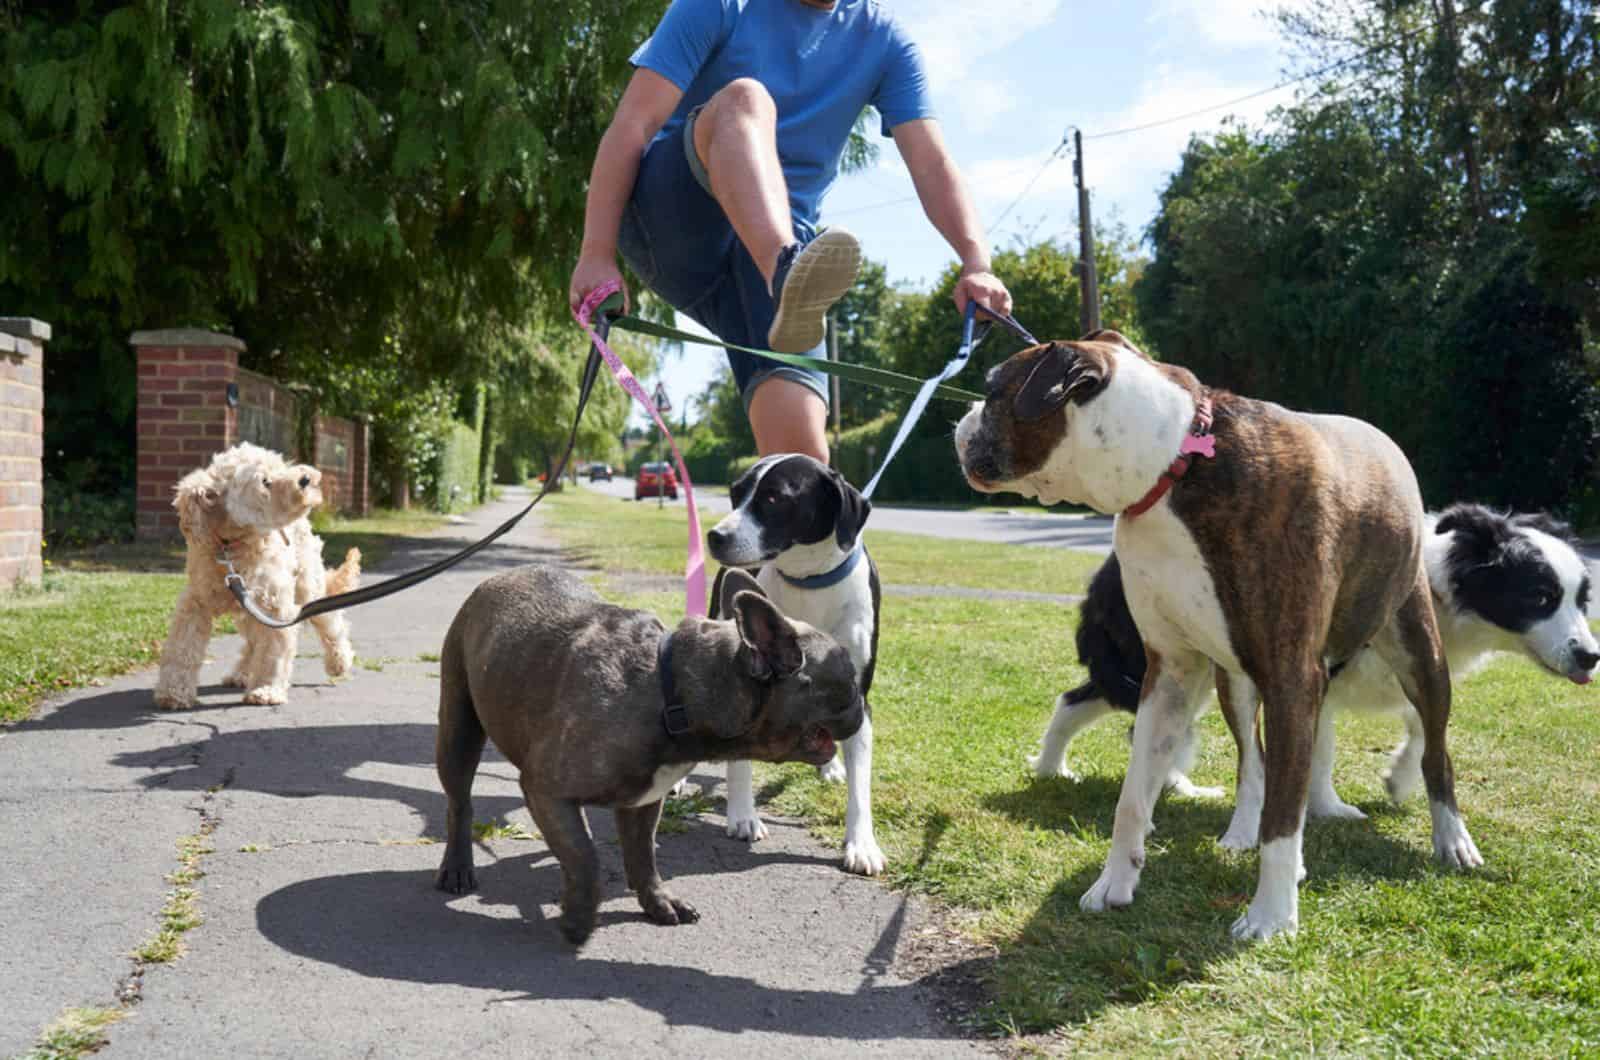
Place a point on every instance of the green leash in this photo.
(861, 373)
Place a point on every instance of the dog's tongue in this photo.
(1581, 678)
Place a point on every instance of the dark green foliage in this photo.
(455, 475)
(317, 178)
(1417, 245)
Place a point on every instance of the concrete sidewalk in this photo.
(322, 933)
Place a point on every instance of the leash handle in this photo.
(599, 301)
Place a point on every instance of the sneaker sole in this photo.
(819, 277)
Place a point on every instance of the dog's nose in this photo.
(717, 536)
(1585, 659)
(305, 480)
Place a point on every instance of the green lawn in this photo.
(104, 611)
(1395, 956)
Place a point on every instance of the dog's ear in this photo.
(730, 580)
(1115, 338)
(853, 512)
(1545, 523)
(198, 501)
(1060, 374)
(774, 645)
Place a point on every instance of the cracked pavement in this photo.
(322, 932)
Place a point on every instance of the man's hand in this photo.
(594, 270)
(983, 287)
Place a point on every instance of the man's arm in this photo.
(946, 202)
(646, 105)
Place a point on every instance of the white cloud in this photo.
(954, 34)
(1124, 172)
(1222, 23)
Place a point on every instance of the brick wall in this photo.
(195, 401)
(22, 342)
(185, 415)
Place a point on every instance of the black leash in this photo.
(236, 586)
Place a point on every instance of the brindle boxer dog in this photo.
(1271, 543)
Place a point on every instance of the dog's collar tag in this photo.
(1198, 442)
(674, 715)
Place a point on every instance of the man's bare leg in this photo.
(789, 417)
(736, 136)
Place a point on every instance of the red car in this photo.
(655, 479)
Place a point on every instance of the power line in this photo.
(1320, 71)
(1062, 146)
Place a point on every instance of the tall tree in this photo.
(313, 176)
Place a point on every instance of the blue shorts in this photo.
(677, 240)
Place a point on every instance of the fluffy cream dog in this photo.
(251, 506)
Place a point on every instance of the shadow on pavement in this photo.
(393, 925)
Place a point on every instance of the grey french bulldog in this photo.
(599, 704)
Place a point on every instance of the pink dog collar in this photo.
(1198, 442)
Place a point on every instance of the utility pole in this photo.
(1088, 286)
(833, 386)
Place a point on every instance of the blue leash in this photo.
(972, 333)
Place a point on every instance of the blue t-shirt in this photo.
(821, 67)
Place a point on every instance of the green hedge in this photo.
(455, 475)
(925, 471)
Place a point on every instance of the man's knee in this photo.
(742, 99)
(788, 417)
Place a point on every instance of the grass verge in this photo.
(1395, 955)
(613, 534)
(103, 611)
(77, 627)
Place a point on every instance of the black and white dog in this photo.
(800, 522)
(1501, 583)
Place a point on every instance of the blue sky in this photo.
(1009, 78)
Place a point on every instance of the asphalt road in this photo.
(1089, 533)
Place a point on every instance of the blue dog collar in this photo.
(832, 577)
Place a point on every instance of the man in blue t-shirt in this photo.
(711, 175)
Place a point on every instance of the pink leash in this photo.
(694, 572)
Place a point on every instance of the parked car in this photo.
(653, 480)
(599, 472)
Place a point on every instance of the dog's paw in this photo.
(337, 663)
(1452, 844)
(1401, 782)
(1332, 806)
(456, 879)
(1047, 767)
(749, 828)
(662, 908)
(1257, 925)
(266, 695)
(863, 857)
(833, 772)
(169, 700)
(1180, 784)
(1113, 890)
(1243, 833)
(576, 927)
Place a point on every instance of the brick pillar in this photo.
(22, 342)
(185, 414)
(360, 503)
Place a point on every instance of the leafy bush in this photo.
(924, 471)
(709, 456)
(75, 517)
(455, 473)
